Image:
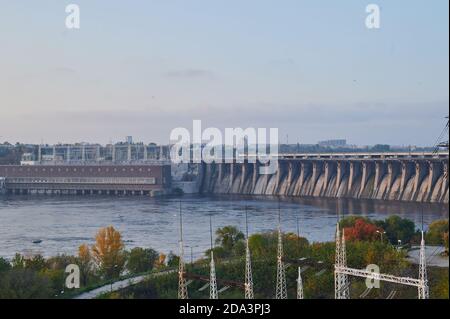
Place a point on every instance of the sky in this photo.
(142, 68)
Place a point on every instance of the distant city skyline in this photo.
(142, 68)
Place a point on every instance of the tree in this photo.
(173, 260)
(36, 262)
(227, 237)
(4, 265)
(436, 232)
(362, 231)
(85, 263)
(398, 228)
(108, 252)
(18, 261)
(350, 221)
(161, 262)
(20, 283)
(141, 260)
(259, 244)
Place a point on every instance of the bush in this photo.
(25, 284)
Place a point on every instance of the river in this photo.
(64, 223)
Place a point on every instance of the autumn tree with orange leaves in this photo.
(108, 252)
(363, 231)
(85, 263)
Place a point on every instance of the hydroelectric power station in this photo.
(138, 169)
(401, 177)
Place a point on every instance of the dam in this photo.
(393, 178)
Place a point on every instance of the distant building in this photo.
(333, 143)
(129, 139)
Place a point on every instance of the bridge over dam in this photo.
(420, 178)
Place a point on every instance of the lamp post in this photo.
(381, 234)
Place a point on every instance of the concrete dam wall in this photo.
(414, 180)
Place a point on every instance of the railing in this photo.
(101, 163)
(82, 180)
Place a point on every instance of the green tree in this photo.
(22, 283)
(141, 260)
(4, 265)
(172, 260)
(36, 263)
(398, 228)
(227, 237)
(18, 261)
(436, 232)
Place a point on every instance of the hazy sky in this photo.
(141, 68)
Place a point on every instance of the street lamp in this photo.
(381, 234)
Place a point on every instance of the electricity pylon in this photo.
(213, 294)
(341, 272)
(248, 266)
(299, 284)
(423, 290)
(341, 283)
(345, 284)
(281, 291)
(182, 287)
(337, 263)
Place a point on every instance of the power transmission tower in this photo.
(442, 143)
(299, 284)
(248, 265)
(345, 284)
(182, 287)
(423, 290)
(281, 291)
(213, 294)
(341, 272)
(341, 283)
(337, 263)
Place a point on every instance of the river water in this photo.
(64, 223)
